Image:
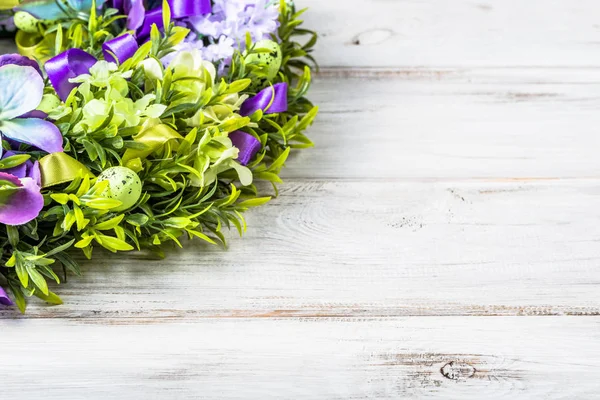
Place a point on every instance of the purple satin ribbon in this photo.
(4, 299)
(67, 65)
(152, 17)
(247, 144)
(189, 8)
(277, 92)
(179, 9)
(123, 47)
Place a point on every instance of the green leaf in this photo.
(14, 161)
(58, 40)
(109, 224)
(278, 163)
(13, 235)
(22, 274)
(113, 244)
(60, 248)
(137, 219)
(166, 14)
(201, 236)
(51, 297)
(256, 202)
(60, 198)
(84, 242)
(18, 294)
(102, 203)
(37, 279)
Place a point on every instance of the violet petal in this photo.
(4, 299)
(17, 59)
(24, 205)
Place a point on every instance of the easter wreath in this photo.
(129, 124)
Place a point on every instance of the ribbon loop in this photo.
(152, 17)
(122, 47)
(154, 138)
(247, 144)
(67, 65)
(271, 100)
(189, 8)
(179, 9)
(59, 168)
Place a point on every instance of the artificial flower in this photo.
(28, 169)
(125, 110)
(20, 199)
(226, 27)
(191, 75)
(4, 299)
(104, 74)
(17, 59)
(21, 90)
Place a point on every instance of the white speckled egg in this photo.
(123, 185)
(26, 22)
(272, 60)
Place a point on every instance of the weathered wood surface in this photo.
(441, 240)
(459, 33)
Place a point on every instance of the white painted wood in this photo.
(455, 124)
(447, 215)
(369, 249)
(327, 358)
(443, 33)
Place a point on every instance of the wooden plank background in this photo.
(440, 241)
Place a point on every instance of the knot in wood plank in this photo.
(456, 370)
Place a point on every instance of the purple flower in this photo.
(225, 28)
(21, 91)
(135, 11)
(4, 299)
(20, 199)
(17, 59)
(28, 169)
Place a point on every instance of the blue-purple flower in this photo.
(21, 91)
(20, 199)
(227, 25)
(4, 299)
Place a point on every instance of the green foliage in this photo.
(192, 185)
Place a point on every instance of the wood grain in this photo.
(442, 33)
(368, 250)
(455, 124)
(440, 241)
(332, 358)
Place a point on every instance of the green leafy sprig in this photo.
(191, 187)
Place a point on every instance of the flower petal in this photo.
(17, 59)
(24, 205)
(135, 13)
(4, 299)
(21, 90)
(35, 173)
(20, 171)
(36, 132)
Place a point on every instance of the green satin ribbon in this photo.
(34, 45)
(154, 138)
(59, 168)
(8, 4)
